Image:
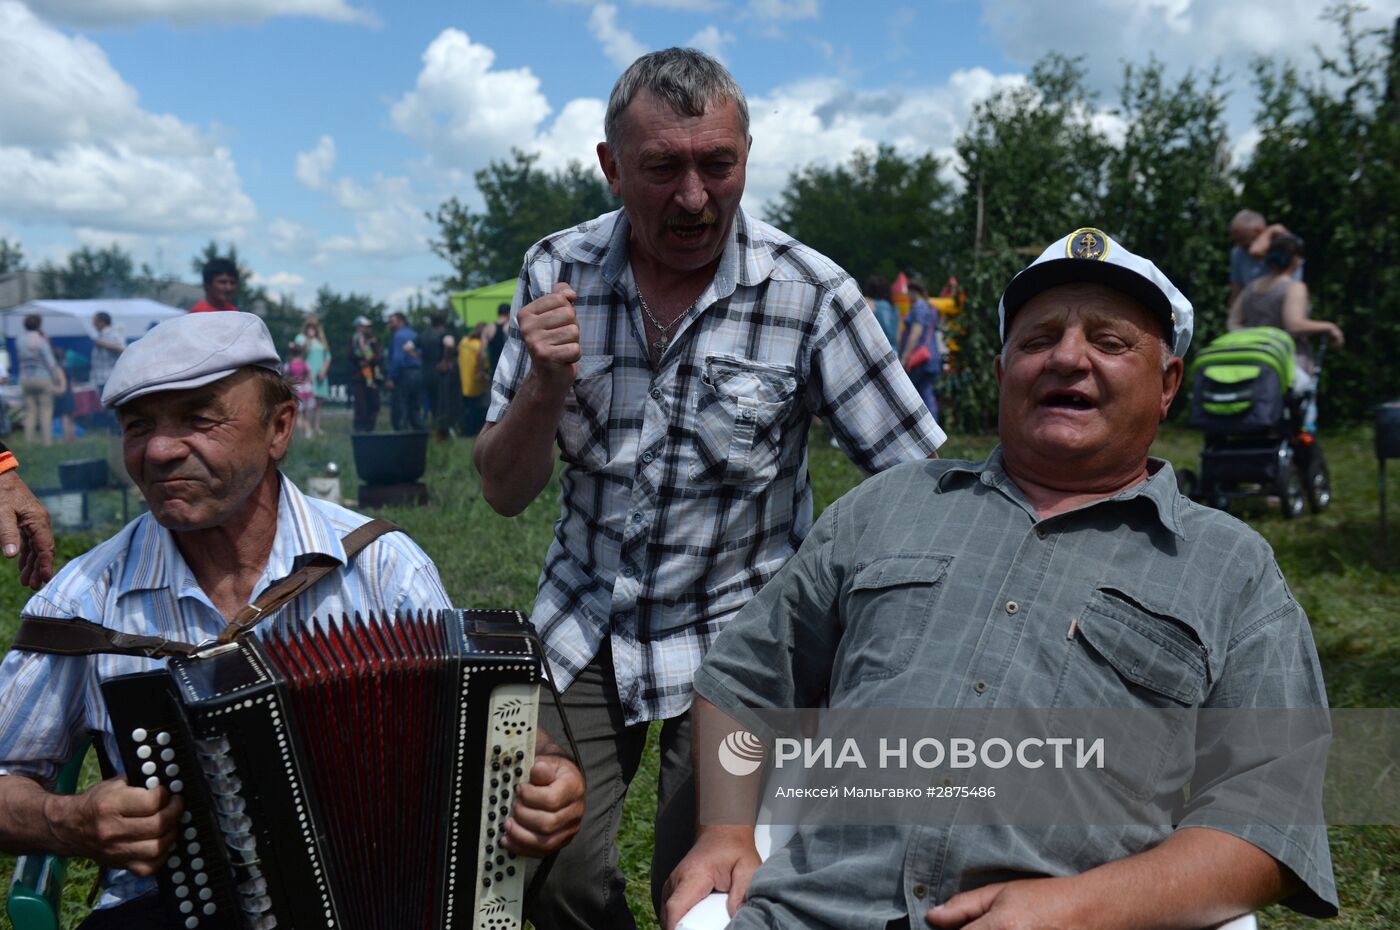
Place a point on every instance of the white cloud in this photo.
(196, 12)
(621, 47)
(1178, 32)
(291, 239)
(77, 148)
(314, 166)
(462, 112)
(824, 122)
(279, 281)
(711, 40)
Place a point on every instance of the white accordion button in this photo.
(167, 755)
(209, 909)
(191, 922)
(148, 768)
(205, 894)
(181, 891)
(163, 738)
(177, 786)
(138, 735)
(196, 864)
(153, 783)
(178, 878)
(172, 770)
(143, 752)
(186, 907)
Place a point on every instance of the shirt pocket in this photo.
(1133, 677)
(888, 606)
(583, 426)
(740, 411)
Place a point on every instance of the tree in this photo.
(523, 205)
(1328, 167)
(89, 273)
(11, 256)
(1169, 194)
(879, 214)
(1034, 168)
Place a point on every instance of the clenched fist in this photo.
(549, 329)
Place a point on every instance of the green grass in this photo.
(1333, 563)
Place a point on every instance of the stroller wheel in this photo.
(1318, 482)
(1291, 495)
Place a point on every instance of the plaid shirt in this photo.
(138, 582)
(686, 488)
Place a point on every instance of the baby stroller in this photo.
(1258, 439)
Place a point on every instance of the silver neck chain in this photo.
(664, 339)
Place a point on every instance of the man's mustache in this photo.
(708, 216)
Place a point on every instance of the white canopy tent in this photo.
(67, 322)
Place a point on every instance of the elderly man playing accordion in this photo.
(206, 417)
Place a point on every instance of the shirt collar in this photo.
(154, 560)
(1160, 489)
(744, 261)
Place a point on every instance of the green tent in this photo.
(479, 306)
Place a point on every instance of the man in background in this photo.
(364, 375)
(405, 375)
(1251, 236)
(220, 284)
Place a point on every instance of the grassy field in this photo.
(1350, 588)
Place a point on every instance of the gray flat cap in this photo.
(190, 351)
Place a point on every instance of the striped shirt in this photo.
(138, 582)
(685, 488)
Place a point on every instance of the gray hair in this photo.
(689, 80)
(1248, 218)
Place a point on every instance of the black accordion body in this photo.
(351, 775)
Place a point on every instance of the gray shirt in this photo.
(934, 585)
(36, 359)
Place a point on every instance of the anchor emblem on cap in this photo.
(1087, 243)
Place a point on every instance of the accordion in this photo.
(345, 776)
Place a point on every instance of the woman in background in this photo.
(317, 352)
(39, 377)
(877, 295)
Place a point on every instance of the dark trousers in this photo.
(365, 397)
(145, 913)
(473, 414)
(924, 382)
(582, 887)
(406, 410)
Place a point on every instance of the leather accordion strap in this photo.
(79, 637)
(316, 568)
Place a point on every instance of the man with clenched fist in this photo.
(676, 351)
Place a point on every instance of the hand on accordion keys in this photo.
(549, 809)
(119, 826)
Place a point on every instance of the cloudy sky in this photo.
(315, 133)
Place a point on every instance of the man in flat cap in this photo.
(206, 417)
(1063, 572)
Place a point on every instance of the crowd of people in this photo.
(674, 353)
(439, 379)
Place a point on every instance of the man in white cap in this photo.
(206, 416)
(1064, 571)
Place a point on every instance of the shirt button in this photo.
(656, 393)
(628, 571)
(647, 457)
(920, 890)
(638, 517)
(1012, 607)
(746, 414)
(1041, 533)
(980, 687)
